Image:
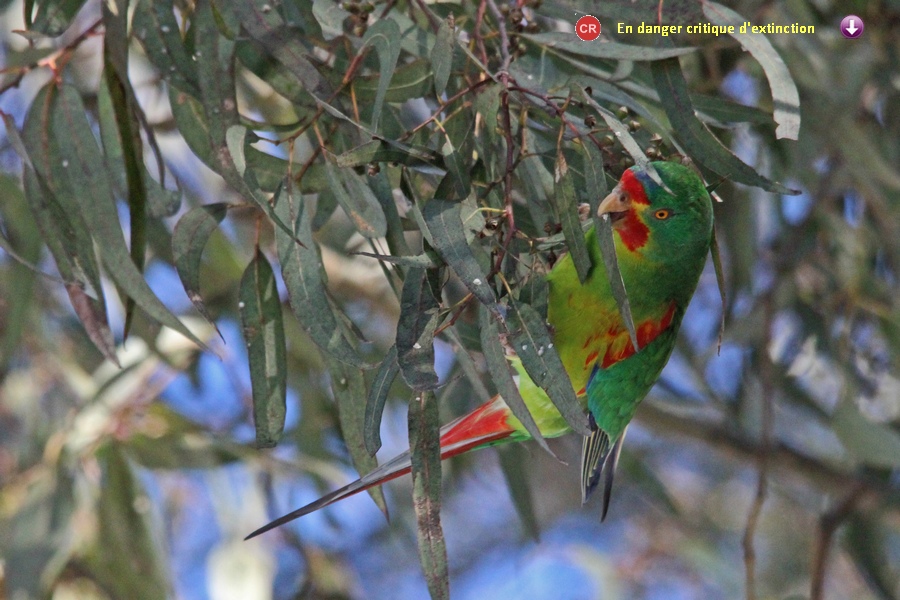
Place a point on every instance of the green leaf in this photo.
(261, 316)
(785, 98)
(424, 443)
(567, 206)
(419, 313)
(498, 367)
(156, 28)
(394, 236)
(445, 226)
(132, 154)
(303, 275)
(603, 227)
(52, 200)
(267, 27)
(188, 240)
(603, 49)
(412, 80)
(457, 183)
(594, 175)
(53, 17)
(702, 145)
(382, 150)
(534, 346)
(873, 444)
(385, 36)
(124, 558)
(378, 394)
(442, 56)
(426, 260)
(349, 388)
(18, 287)
(87, 171)
(358, 201)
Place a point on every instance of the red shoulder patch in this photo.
(646, 333)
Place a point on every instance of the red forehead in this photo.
(633, 187)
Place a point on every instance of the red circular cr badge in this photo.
(588, 28)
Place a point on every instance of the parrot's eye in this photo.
(662, 214)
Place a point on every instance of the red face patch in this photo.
(632, 230)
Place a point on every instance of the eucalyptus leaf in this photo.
(424, 428)
(785, 97)
(697, 139)
(385, 36)
(499, 370)
(534, 346)
(189, 237)
(567, 206)
(378, 393)
(303, 273)
(442, 56)
(444, 222)
(263, 324)
(419, 304)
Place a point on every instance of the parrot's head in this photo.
(658, 224)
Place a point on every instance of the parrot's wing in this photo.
(598, 459)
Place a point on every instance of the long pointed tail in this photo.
(487, 424)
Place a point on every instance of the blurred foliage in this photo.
(361, 164)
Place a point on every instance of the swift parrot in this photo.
(661, 240)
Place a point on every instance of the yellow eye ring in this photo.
(662, 214)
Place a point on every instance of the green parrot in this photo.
(662, 240)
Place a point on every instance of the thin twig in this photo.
(504, 36)
(828, 525)
(762, 480)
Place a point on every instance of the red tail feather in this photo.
(484, 425)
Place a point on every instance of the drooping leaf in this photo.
(87, 170)
(377, 396)
(304, 277)
(358, 201)
(534, 346)
(605, 49)
(702, 145)
(381, 150)
(604, 232)
(261, 316)
(268, 28)
(188, 240)
(785, 97)
(567, 206)
(52, 17)
(156, 28)
(20, 278)
(72, 249)
(385, 36)
(446, 229)
(349, 388)
(411, 80)
(132, 154)
(419, 304)
(394, 235)
(442, 56)
(124, 557)
(424, 427)
(498, 367)
(457, 183)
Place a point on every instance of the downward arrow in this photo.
(852, 28)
